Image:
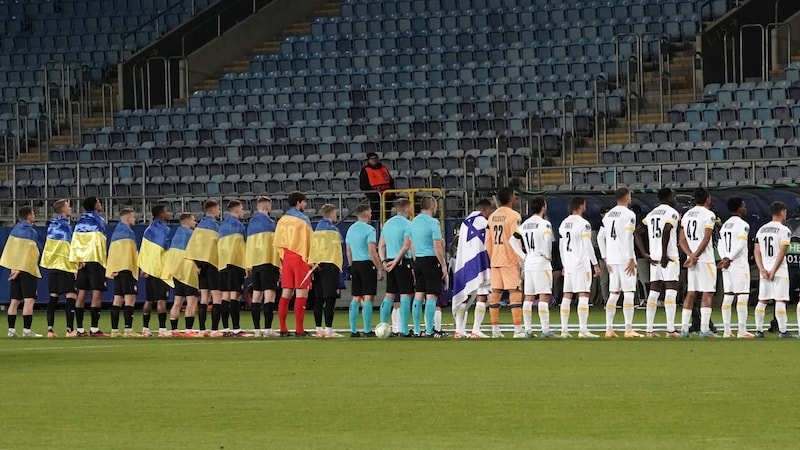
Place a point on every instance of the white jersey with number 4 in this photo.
(536, 235)
(733, 240)
(575, 245)
(619, 224)
(770, 238)
(695, 223)
(656, 221)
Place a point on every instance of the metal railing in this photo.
(763, 46)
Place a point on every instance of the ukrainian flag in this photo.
(155, 243)
(175, 261)
(89, 241)
(122, 252)
(231, 243)
(203, 244)
(326, 244)
(260, 242)
(56, 247)
(293, 233)
(22, 250)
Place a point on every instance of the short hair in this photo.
(263, 200)
(295, 198)
(59, 205)
(504, 195)
(402, 203)
(427, 202)
(700, 196)
(185, 215)
(621, 193)
(157, 210)
(664, 194)
(577, 202)
(233, 204)
(24, 212)
(89, 203)
(537, 204)
(777, 207)
(485, 203)
(734, 203)
(362, 208)
(326, 210)
(127, 212)
(210, 204)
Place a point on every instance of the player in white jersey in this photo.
(660, 226)
(733, 251)
(697, 226)
(772, 242)
(619, 225)
(578, 258)
(533, 242)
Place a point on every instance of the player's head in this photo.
(701, 197)
(736, 206)
(429, 205)
(297, 200)
(778, 210)
(539, 206)
(128, 216)
(403, 207)
(485, 206)
(160, 212)
(26, 214)
(264, 205)
(328, 211)
(92, 204)
(666, 196)
(236, 209)
(363, 212)
(188, 220)
(578, 205)
(62, 207)
(506, 197)
(211, 208)
(623, 196)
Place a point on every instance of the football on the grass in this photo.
(383, 330)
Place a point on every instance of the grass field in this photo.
(397, 393)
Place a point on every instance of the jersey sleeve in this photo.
(588, 247)
(786, 237)
(601, 241)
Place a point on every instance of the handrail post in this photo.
(741, 50)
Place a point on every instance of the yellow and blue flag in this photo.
(175, 262)
(231, 244)
(89, 240)
(293, 233)
(55, 255)
(260, 242)
(326, 244)
(122, 253)
(155, 243)
(203, 243)
(22, 250)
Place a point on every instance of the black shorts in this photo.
(124, 283)
(365, 278)
(61, 282)
(266, 277)
(208, 277)
(326, 281)
(23, 286)
(231, 279)
(401, 279)
(184, 290)
(157, 289)
(91, 278)
(428, 274)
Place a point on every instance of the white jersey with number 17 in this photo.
(733, 245)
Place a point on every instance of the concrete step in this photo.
(33, 156)
(63, 139)
(94, 122)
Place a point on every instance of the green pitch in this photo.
(397, 393)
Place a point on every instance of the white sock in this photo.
(437, 320)
(780, 315)
(544, 316)
(611, 311)
(652, 305)
(727, 302)
(461, 319)
(627, 310)
(319, 330)
(741, 311)
(94, 329)
(329, 331)
(517, 329)
(566, 303)
(395, 320)
(583, 314)
(686, 317)
(527, 315)
(761, 311)
(480, 311)
(705, 319)
(670, 308)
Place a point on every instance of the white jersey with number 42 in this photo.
(695, 222)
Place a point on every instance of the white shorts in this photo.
(484, 289)
(775, 289)
(669, 273)
(578, 282)
(538, 281)
(736, 283)
(702, 277)
(619, 281)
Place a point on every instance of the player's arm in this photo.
(382, 248)
(638, 239)
(601, 241)
(373, 254)
(759, 262)
(704, 243)
(588, 247)
(628, 248)
(546, 249)
(438, 247)
(665, 234)
(517, 244)
(737, 247)
(684, 245)
(349, 256)
(779, 259)
(489, 241)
